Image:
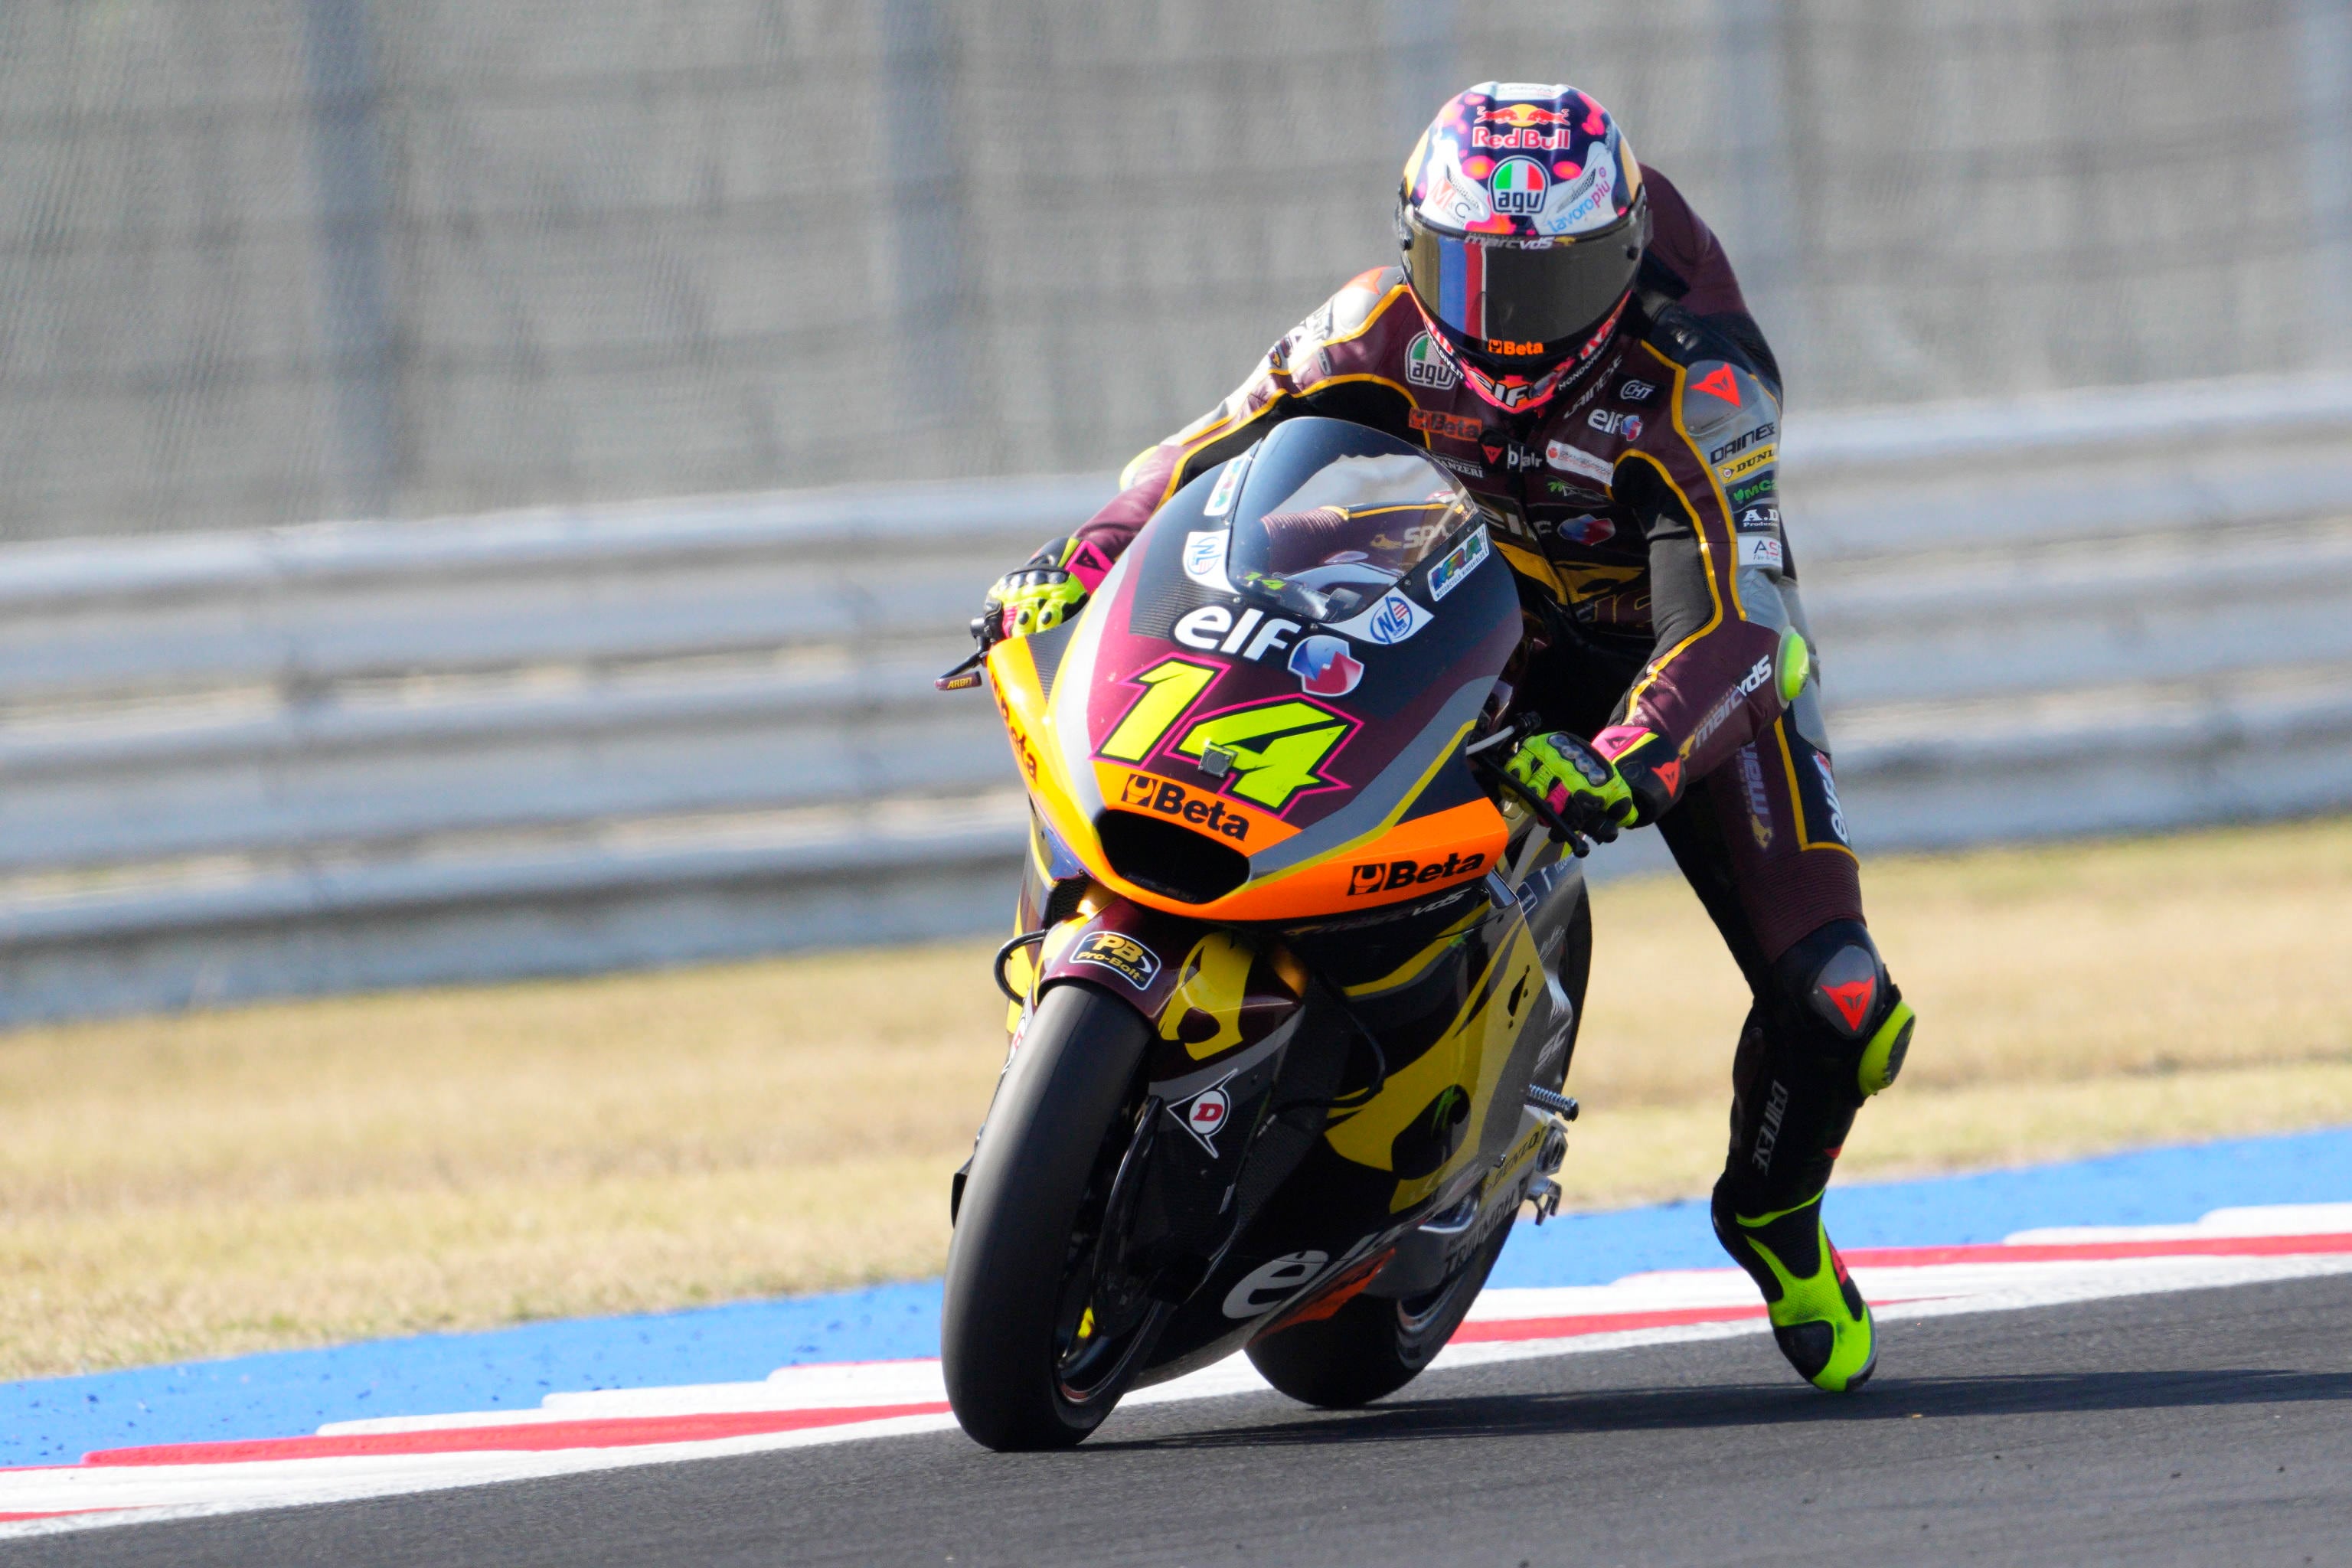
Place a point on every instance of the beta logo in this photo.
(1324, 668)
(1453, 426)
(1521, 347)
(1519, 185)
(1426, 365)
(1387, 876)
(1204, 1116)
(1122, 955)
(1150, 792)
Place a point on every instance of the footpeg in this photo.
(1545, 1195)
(1559, 1104)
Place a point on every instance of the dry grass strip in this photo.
(303, 1172)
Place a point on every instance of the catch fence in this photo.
(347, 756)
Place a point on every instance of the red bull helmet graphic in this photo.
(1522, 220)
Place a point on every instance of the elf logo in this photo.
(1386, 876)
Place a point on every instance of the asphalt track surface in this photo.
(2191, 1427)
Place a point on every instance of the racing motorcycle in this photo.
(1299, 973)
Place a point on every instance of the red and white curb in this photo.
(803, 1405)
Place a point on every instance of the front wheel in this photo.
(1038, 1339)
(1373, 1345)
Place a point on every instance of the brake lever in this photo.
(1481, 763)
(966, 676)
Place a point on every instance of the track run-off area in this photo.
(2143, 1355)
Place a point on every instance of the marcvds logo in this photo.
(1390, 875)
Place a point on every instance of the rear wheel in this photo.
(1373, 1345)
(1040, 1332)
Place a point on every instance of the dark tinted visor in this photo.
(1523, 291)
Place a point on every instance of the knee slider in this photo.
(1836, 984)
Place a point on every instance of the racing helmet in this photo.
(1523, 221)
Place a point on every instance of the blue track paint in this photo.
(2149, 1186)
(51, 1421)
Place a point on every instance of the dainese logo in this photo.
(1387, 876)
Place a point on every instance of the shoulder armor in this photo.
(1360, 300)
(1298, 357)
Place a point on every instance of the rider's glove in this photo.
(1649, 766)
(1044, 593)
(1580, 787)
(1033, 599)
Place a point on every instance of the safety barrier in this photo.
(374, 754)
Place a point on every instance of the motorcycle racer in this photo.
(1566, 336)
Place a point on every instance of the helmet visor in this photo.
(1537, 296)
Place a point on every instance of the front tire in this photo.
(1027, 1362)
(1373, 1345)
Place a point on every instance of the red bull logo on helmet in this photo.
(1522, 126)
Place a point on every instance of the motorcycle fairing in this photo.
(1120, 718)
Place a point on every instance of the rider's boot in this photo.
(1820, 1319)
(1830, 1031)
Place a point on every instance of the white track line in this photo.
(1980, 1280)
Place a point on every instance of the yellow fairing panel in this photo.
(1471, 1054)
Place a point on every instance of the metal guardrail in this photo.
(359, 754)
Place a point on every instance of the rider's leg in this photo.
(1762, 845)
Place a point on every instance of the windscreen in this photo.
(1329, 516)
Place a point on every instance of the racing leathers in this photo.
(1639, 505)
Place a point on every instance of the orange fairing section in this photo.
(1409, 860)
(1396, 862)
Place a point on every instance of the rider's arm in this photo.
(1284, 383)
(1720, 673)
(1685, 264)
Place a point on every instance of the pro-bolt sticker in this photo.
(1122, 955)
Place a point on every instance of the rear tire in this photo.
(1021, 1267)
(1373, 1345)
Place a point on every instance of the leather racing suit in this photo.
(1641, 500)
